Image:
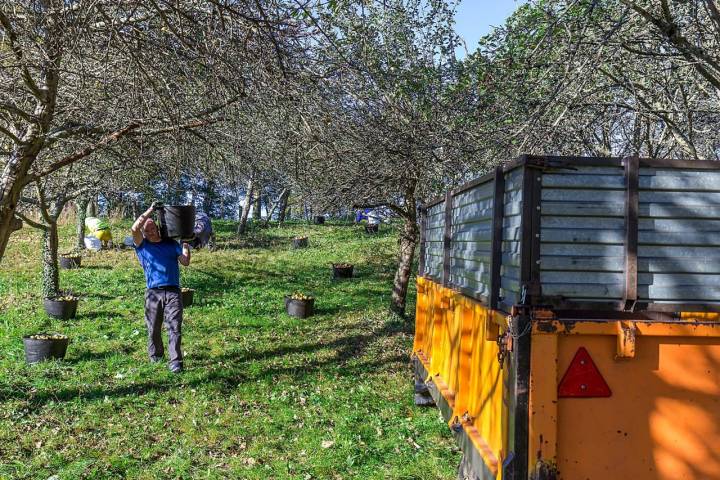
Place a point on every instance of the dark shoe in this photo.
(176, 368)
(156, 359)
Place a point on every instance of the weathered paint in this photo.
(662, 421)
(455, 343)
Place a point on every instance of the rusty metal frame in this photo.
(536, 219)
(617, 310)
(642, 328)
(496, 241)
(447, 239)
(474, 183)
(565, 161)
(632, 206)
(518, 469)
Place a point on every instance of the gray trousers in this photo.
(164, 304)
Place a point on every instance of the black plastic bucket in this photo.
(187, 297)
(68, 263)
(341, 271)
(300, 242)
(177, 222)
(62, 309)
(319, 220)
(299, 308)
(37, 350)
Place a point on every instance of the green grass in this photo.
(264, 396)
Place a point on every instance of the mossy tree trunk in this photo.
(406, 253)
(283, 209)
(81, 214)
(257, 206)
(50, 274)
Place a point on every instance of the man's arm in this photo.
(136, 229)
(184, 259)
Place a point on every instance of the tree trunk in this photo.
(283, 209)
(92, 208)
(12, 183)
(407, 243)
(81, 211)
(14, 175)
(266, 202)
(270, 209)
(209, 197)
(240, 214)
(51, 277)
(257, 213)
(242, 226)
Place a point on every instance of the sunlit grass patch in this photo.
(264, 396)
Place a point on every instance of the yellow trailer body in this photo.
(661, 422)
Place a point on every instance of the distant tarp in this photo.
(98, 228)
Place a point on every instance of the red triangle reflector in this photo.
(583, 379)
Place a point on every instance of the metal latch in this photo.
(505, 345)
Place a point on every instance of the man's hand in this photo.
(184, 259)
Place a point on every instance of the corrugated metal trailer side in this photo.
(572, 330)
(433, 241)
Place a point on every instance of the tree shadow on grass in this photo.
(101, 296)
(251, 242)
(95, 315)
(88, 355)
(227, 380)
(347, 349)
(358, 293)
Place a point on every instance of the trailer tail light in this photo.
(583, 379)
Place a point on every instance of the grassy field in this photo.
(264, 396)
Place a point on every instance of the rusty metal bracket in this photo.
(632, 182)
(544, 470)
(626, 332)
(467, 418)
(505, 346)
(456, 425)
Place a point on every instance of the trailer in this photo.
(568, 319)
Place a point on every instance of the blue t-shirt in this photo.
(160, 262)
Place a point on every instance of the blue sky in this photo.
(476, 18)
